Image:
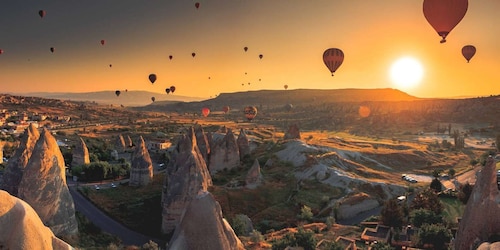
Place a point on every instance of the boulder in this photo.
(21, 228)
(187, 175)
(80, 154)
(14, 171)
(254, 176)
(203, 227)
(224, 153)
(43, 186)
(481, 218)
(202, 142)
(243, 144)
(293, 132)
(141, 171)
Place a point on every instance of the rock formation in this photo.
(203, 227)
(120, 144)
(17, 163)
(254, 177)
(202, 142)
(224, 153)
(80, 154)
(128, 142)
(243, 144)
(481, 218)
(1, 153)
(187, 176)
(293, 132)
(21, 228)
(43, 186)
(141, 172)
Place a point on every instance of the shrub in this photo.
(256, 236)
(305, 213)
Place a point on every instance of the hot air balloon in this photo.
(286, 87)
(250, 112)
(468, 51)
(205, 111)
(260, 56)
(152, 78)
(225, 109)
(444, 15)
(193, 54)
(103, 42)
(52, 49)
(172, 89)
(126, 90)
(42, 13)
(245, 49)
(118, 92)
(197, 5)
(153, 99)
(1, 51)
(170, 57)
(111, 65)
(167, 90)
(333, 58)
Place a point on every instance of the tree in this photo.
(451, 173)
(465, 192)
(423, 216)
(436, 185)
(392, 214)
(435, 234)
(429, 200)
(305, 213)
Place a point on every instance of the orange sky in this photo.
(291, 34)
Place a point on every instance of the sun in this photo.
(406, 73)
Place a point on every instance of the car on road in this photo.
(113, 185)
(97, 187)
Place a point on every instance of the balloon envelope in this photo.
(225, 109)
(1, 51)
(245, 49)
(103, 42)
(152, 78)
(286, 87)
(172, 89)
(444, 15)
(260, 56)
(205, 111)
(193, 54)
(52, 49)
(167, 90)
(170, 57)
(250, 112)
(333, 58)
(468, 51)
(117, 93)
(153, 98)
(197, 5)
(42, 13)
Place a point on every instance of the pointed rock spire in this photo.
(254, 176)
(80, 154)
(202, 142)
(120, 144)
(293, 132)
(17, 163)
(141, 172)
(243, 144)
(224, 154)
(43, 186)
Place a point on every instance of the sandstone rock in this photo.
(17, 163)
(21, 228)
(187, 175)
(481, 218)
(128, 142)
(224, 153)
(141, 172)
(243, 144)
(203, 227)
(202, 142)
(293, 132)
(254, 176)
(1, 153)
(489, 246)
(43, 186)
(120, 145)
(80, 154)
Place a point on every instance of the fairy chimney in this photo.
(141, 172)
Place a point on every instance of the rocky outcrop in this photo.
(80, 154)
(243, 144)
(202, 142)
(17, 163)
(43, 186)
(1, 153)
(254, 176)
(128, 142)
(224, 153)
(293, 132)
(481, 218)
(203, 227)
(120, 145)
(141, 172)
(21, 228)
(187, 176)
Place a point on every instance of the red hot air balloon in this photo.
(153, 99)
(170, 57)
(225, 109)
(1, 51)
(468, 51)
(111, 65)
(42, 13)
(444, 15)
(333, 58)
(172, 89)
(205, 112)
(245, 49)
(167, 90)
(118, 92)
(197, 5)
(52, 49)
(250, 112)
(103, 42)
(152, 78)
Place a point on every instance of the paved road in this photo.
(106, 223)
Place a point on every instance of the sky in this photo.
(290, 34)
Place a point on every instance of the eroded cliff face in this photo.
(21, 228)
(481, 217)
(43, 186)
(224, 153)
(202, 143)
(17, 163)
(141, 172)
(203, 227)
(254, 176)
(187, 176)
(80, 154)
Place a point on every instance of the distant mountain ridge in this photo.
(126, 98)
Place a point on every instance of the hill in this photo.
(126, 98)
